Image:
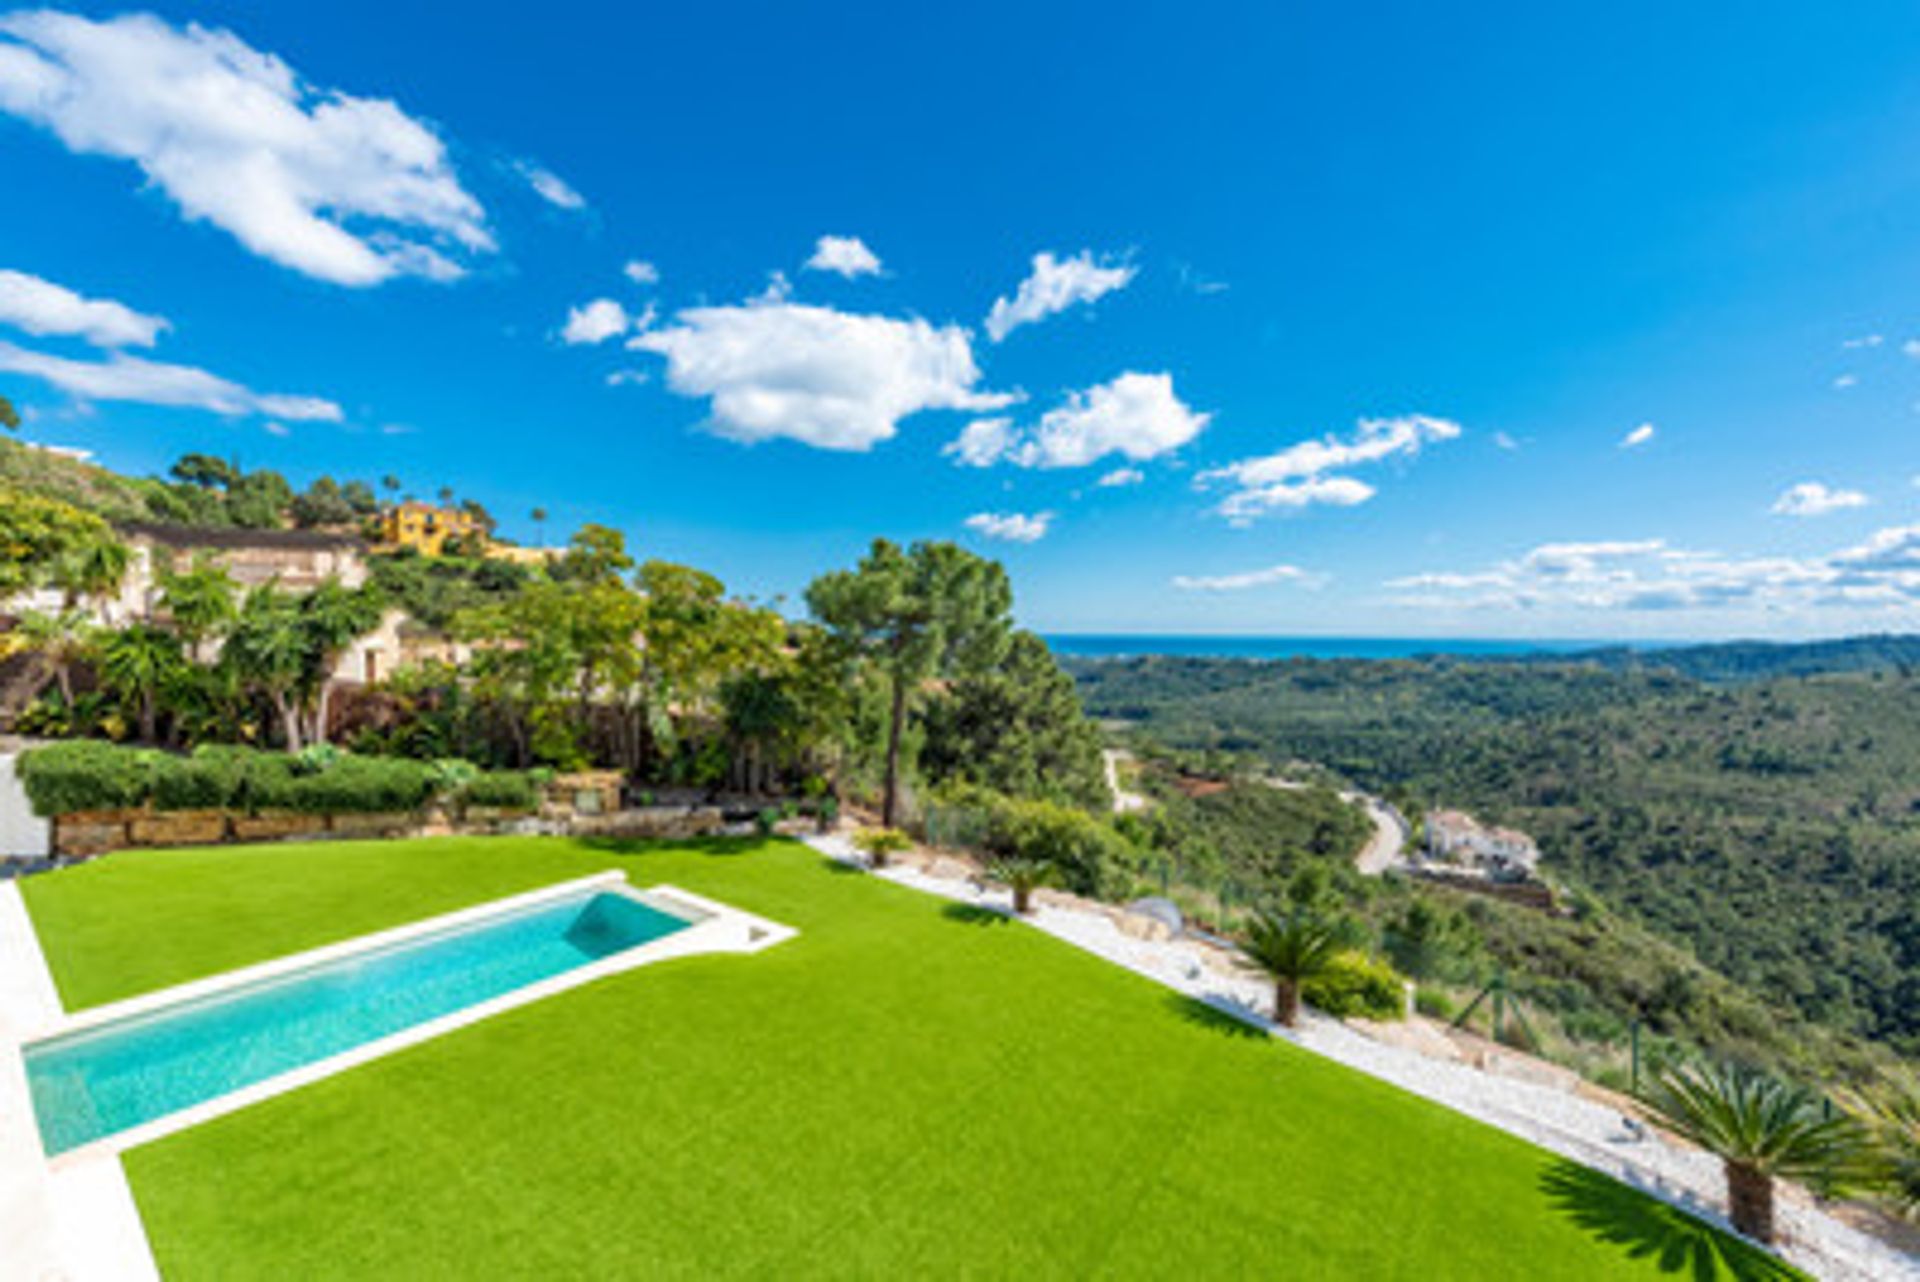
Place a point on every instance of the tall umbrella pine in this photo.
(928, 612)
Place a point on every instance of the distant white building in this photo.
(1458, 838)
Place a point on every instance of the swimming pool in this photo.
(127, 1072)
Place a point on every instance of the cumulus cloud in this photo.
(1637, 437)
(595, 322)
(982, 443)
(1242, 581)
(1312, 472)
(1864, 340)
(641, 272)
(119, 377)
(845, 255)
(1121, 476)
(346, 189)
(550, 187)
(830, 379)
(628, 378)
(43, 308)
(1137, 416)
(1812, 498)
(1010, 527)
(1054, 285)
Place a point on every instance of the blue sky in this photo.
(1519, 322)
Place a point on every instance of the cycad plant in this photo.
(1293, 947)
(1892, 1120)
(1761, 1129)
(1023, 876)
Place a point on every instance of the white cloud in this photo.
(1911, 348)
(628, 378)
(982, 443)
(1846, 380)
(1136, 416)
(550, 187)
(595, 322)
(1812, 498)
(1247, 579)
(349, 190)
(276, 429)
(834, 380)
(1504, 441)
(119, 377)
(1637, 437)
(1010, 527)
(1054, 285)
(641, 272)
(1646, 575)
(43, 308)
(1121, 476)
(1864, 340)
(1310, 472)
(846, 255)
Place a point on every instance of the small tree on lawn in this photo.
(1761, 1129)
(1023, 876)
(1295, 946)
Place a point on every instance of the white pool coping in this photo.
(72, 1217)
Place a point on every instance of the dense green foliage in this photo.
(1354, 985)
(83, 774)
(1016, 727)
(1247, 834)
(866, 1099)
(1771, 830)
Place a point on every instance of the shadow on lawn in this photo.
(1643, 1226)
(1216, 1016)
(976, 915)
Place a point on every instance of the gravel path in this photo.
(1556, 1119)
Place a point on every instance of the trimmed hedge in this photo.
(87, 774)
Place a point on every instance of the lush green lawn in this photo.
(903, 1090)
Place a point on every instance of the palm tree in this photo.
(540, 526)
(1892, 1120)
(1293, 947)
(1761, 1129)
(94, 568)
(1023, 876)
(199, 602)
(267, 652)
(137, 663)
(61, 637)
(333, 618)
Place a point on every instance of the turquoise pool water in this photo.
(91, 1084)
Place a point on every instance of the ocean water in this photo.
(1113, 645)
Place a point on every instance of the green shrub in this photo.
(452, 776)
(1432, 1003)
(1092, 857)
(502, 790)
(85, 774)
(362, 785)
(1356, 986)
(194, 783)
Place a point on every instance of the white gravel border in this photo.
(1573, 1127)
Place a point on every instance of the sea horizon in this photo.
(1111, 645)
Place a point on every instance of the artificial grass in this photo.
(906, 1089)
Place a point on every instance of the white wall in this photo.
(21, 831)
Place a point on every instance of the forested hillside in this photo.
(1772, 827)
